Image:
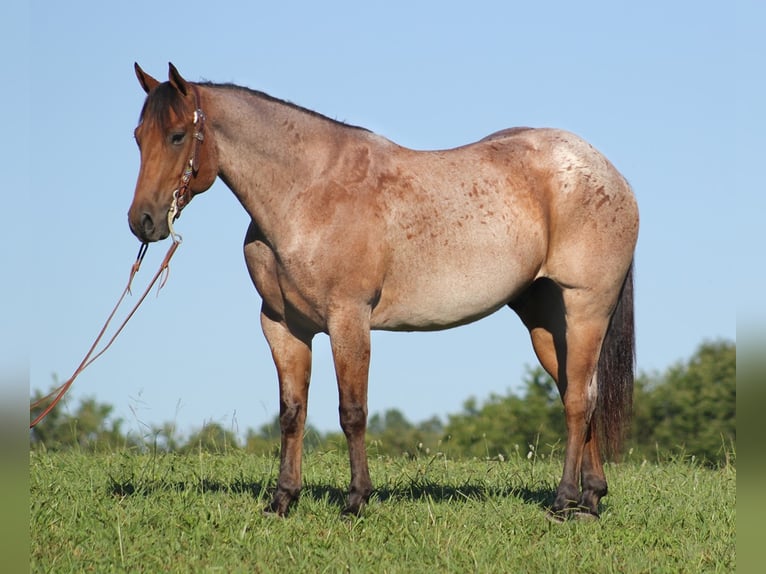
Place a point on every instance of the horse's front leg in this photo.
(292, 357)
(350, 342)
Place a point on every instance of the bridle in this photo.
(181, 198)
(183, 195)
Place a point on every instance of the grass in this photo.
(128, 512)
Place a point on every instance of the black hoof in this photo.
(585, 515)
(559, 517)
(274, 508)
(281, 504)
(356, 503)
(580, 514)
(352, 511)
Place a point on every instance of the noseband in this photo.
(183, 195)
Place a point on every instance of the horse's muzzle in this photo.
(146, 229)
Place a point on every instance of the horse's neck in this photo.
(268, 151)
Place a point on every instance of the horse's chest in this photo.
(283, 287)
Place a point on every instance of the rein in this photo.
(181, 198)
(57, 394)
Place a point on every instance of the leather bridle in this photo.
(183, 194)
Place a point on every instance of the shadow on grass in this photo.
(413, 491)
(436, 492)
(146, 488)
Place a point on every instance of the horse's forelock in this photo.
(158, 104)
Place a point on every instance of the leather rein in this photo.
(181, 198)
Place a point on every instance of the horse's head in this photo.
(174, 160)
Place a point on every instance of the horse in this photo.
(351, 232)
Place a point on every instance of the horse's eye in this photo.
(177, 138)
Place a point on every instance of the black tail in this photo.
(616, 366)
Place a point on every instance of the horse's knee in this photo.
(291, 418)
(353, 418)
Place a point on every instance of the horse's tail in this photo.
(615, 372)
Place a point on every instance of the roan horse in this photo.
(351, 232)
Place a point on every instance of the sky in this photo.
(666, 90)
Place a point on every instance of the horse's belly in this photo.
(433, 297)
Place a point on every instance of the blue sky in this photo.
(666, 90)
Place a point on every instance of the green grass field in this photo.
(127, 512)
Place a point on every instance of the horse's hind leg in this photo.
(580, 394)
(568, 347)
(593, 479)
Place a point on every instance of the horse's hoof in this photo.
(272, 513)
(557, 517)
(351, 512)
(275, 509)
(586, 515)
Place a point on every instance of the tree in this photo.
(166, 437)
(505, 424)
(691, 407)
(267, 438)
(90, 427)
(392, 434)
(212, 437)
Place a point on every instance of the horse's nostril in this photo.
(147, 224)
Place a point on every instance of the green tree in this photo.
(691, 407)
(267, 438)
(392, 434)
(506, 424)
(90, 427)
(166, 438)
(212, 437)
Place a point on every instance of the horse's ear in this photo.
(147, 82)
(177, 80)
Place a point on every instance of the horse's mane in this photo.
(166, 97)
(269, 98)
